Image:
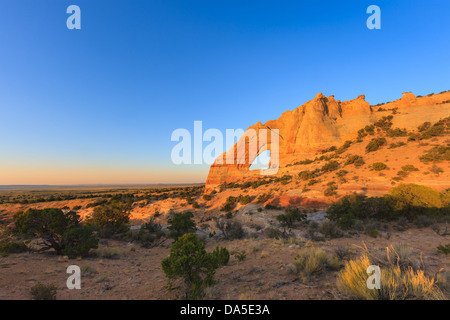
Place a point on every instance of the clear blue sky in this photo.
(98, 105)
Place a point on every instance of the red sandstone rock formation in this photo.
(314, 126)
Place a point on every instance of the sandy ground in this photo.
(266, 273)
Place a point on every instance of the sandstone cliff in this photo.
(321, 123)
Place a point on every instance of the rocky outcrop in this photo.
(314, 126)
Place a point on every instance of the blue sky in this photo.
(98, 105)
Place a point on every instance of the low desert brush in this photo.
(312, 261)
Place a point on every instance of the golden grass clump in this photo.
(313, 261)
(396, 283)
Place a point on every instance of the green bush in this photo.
(230, 229)
(436, 154)
(229, 204)
(330, 190)
(444, 249)
(8, 247)
(379, 166)
(43, 292)
(110, 219)
(341, 173)
(180, 224)
(347, 210)
(330, 229)
(148, 235)
(414, 200)
(291, 216)
(385, 123)
(243, 200)
(263, 198)
(409, 168)
(59, 231)
(397, 132)
(306, 175)
(189, 260)
(354, 159)
(330, 166)
(206, 197)
(375, 144)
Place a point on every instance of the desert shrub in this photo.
(180, 224)
(330, 190)
(341, 173)
(330, 229)
(385, 123)
(413, 200)
(110, 219)
(436, 154)
(78, 241)
(96, 203)
(397, 145)
(229, 204)
(397, 132)
(306, 175)
(285, 179)
(59, 231)
(347, 210)
(436, 170)
(424, 126)
(243, 200)
(206, 197)
(106, 253)
(354, 159)
(409, 168)
(344, 147)
(312, 230)
(263, 198)
(230, 229)
(314, 261)
(312, 182)
(373, 233)
(402, 174)
(221, 255)
(148, 235)
(343, 253)
(375, 144)
(274, 233)
(9, 247)
(330, 166)
(444, 249)
(379, 166)
(240, 256)
(423, 221)
(290, 217)
(396, 284)
(189, 260)
(41, 291)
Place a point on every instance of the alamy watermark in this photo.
(252, 148)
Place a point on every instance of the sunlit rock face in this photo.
(315, 126)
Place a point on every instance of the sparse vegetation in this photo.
(379, 166)
(181, 223)
(62, 232)
(42, 291)
(189, 260)
(375, 144)
(396, 284)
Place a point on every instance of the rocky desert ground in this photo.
(329, 150)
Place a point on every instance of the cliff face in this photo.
(314, 126)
